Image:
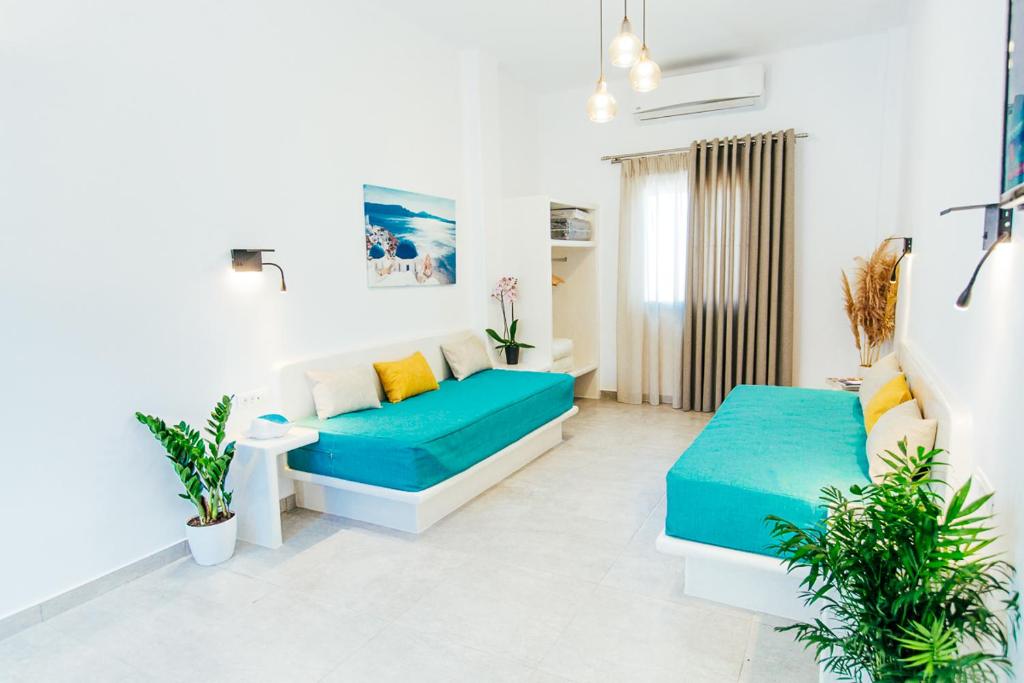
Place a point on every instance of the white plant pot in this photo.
(212, 544)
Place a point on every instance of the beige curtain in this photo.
(652, 265)
(738, 318)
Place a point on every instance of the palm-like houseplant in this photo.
(202, 465)
(506, 293)
(870, 302)
(907, 582)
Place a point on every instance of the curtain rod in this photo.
(616, 158)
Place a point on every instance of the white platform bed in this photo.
(759, 582)
(260, 465)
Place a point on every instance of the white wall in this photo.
(139, 142)
(845, 95)
(519, 115)
(953, 155)
(512, 148)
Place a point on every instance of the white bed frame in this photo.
(412, 511)
(759, 582)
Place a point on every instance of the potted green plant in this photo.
(506, 292)
(907, 584)
(202, 465)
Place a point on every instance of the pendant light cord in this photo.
(643, 25)
(600, 37)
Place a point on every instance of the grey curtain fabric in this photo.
(738, 314)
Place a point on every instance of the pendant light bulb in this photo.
(624, 50)
(601, 106)
(645, 74)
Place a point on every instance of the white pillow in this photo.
(466, 356)
(876, 377)
(898, 423)
(344, 391)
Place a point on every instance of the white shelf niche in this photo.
(574, 303)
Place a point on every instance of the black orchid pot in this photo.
(512, 355)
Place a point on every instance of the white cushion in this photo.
(344, 391)
(561, 348)
(564, 364)
(896, 424)
(877, 376)
(466, 356)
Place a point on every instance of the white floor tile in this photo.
(402, 654)
(617, 632)
(368, 571)
(500, 609)
(44, 654)
(773, 657)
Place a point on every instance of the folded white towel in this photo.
(561, 348)
(562, 364)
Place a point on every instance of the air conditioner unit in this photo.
(731, 88)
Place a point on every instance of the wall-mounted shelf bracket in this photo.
(998, 221)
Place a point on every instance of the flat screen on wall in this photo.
(1013, 126)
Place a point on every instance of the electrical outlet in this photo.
(251, 400)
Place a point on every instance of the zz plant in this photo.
(909, 587)
(201, 464)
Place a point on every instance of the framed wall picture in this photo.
(1013, 123)
(410, 238)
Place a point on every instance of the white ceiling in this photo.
(551, 44)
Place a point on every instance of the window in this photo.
(664, 200)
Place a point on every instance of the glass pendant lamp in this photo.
(645, 74)
(601, 106)
(624, 50)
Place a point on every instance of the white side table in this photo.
(834, 384)
(254, 479)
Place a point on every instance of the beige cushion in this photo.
(877, 376)
(466, 356)
(344, 391)
(901, 422)
(889, 363)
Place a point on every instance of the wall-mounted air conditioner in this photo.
(730, 88)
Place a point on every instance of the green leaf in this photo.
(201, 464)
(905, 579)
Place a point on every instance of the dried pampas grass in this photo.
(870, 303)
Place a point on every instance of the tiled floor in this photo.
(551, 576)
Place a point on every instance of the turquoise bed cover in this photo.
(768, 450)
(426, 439)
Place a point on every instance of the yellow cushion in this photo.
(892, 393)
(407, 377)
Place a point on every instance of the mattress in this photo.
(415, 444)
(767, 451)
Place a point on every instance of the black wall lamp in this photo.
(998, 229)
(251, 261)
(908, 247)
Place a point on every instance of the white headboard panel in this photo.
(293, 389)
(954, 419)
